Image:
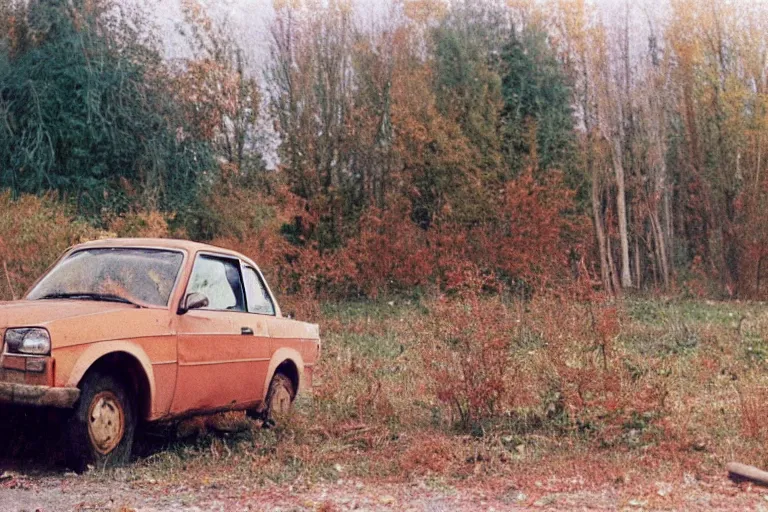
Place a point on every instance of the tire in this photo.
(279, 400)
(101, 430)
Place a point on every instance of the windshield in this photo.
(137, 276)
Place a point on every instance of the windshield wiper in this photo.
(106, 297)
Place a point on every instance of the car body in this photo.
(164, 320)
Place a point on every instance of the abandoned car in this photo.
(124, 331)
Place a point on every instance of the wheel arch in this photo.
(128, 361)
(288, 362)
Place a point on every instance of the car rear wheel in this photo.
(101, 429)
(279, 400)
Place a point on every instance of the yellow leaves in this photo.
(424, 12)
(717, 60)
(573, 22)
(196, 15)
(214, 90)
(521, 5)
(341, 6)
(528, 12)
(287, 4)
(149, 224)
(684, 31)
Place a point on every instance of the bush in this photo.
(34, 232)
(141, 224)
(528, 247)
(467, 351)
(753, 400)
(549, 363)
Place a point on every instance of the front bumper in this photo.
(28, 381)
(39, 396)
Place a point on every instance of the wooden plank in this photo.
(740, 472)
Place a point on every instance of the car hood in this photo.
(73, 322)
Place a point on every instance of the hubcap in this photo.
(281, 401)
(106, 422)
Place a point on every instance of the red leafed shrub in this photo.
(466, 349)
(552, 359)
(754, 407)
(150, 224)
(34, 232)
(390, 253)
(531, 240)
(434, 454)
(592, 386)
(752, 241)
(253, 223)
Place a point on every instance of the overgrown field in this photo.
(544, 395)
(466, 386)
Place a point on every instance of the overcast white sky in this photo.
(249, 20)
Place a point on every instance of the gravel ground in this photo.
(45, 489)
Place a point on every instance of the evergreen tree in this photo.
(537, 116)
(84, 111)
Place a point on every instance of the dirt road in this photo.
(51, 489)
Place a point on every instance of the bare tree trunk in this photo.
(669, 231)
(661, 221)
(621, 211)
(597, 218)
(638, 274)
(612, 266)
(618, 155)
(650, 246)
(663, 228)
(661, 252)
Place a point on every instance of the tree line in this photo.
(511, 145)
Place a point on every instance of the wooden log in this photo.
(740, 472)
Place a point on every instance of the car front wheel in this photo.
(101, 429)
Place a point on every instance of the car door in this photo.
(216, 354)
(260, 309)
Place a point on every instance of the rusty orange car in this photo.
(124, 331)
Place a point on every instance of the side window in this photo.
(258, 297)
(219, 280)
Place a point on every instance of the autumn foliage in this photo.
(34, 231)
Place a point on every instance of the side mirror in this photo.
(194, 300)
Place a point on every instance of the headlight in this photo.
(33, 340)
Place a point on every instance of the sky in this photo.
(249, 21)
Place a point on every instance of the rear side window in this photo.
(219, 280)
(259, 300)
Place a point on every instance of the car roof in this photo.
(159, 243)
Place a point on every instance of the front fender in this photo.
(98, 350)
(279, 357)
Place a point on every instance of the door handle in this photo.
(246, 331)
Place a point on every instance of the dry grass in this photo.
(593, 388)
